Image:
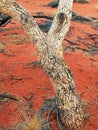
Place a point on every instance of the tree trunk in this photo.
(49, 48)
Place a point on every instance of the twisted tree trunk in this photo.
(49, 48)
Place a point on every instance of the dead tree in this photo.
(49, 49)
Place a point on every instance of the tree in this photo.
(49, 48)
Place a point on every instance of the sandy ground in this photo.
(20, 79)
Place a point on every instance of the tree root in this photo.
(50, 105)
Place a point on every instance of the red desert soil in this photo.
(20, 79)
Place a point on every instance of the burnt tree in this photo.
(49, 49)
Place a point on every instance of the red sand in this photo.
(20, 80)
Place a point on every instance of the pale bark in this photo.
(49, 48)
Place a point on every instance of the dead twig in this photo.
(5, 97)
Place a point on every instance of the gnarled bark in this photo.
(49, 48)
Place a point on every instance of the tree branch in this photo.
(61, 22)
(23, 17)
(27, 22)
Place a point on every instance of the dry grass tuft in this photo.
(2, 46)
(34, 124)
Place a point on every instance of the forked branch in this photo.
(49, 48)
